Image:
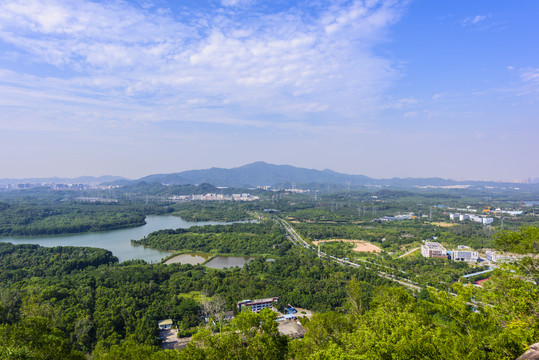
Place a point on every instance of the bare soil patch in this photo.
(291, 328)
(359, 245)
(443, 224)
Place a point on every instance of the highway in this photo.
(299, 241)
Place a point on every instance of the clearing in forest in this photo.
(360, 245)
(443, 224)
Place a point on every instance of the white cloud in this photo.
(478, 18)
(403, 103)
(410, 114)
(220, 66)
(475, 20)
(235, 2)
(530, 75)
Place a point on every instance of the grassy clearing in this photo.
(196, 296)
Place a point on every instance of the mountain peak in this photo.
(256, 163)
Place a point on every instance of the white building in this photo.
(433, 249)
(256, 305)
(495, 257)
(464, 255)
(164, 324)
(471, 217)
(476, 218)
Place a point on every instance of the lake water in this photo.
(117, 241)
(218, 262)
(193, 259)
(221, 262)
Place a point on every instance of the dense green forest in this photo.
(110, 311)
(96, 303)
(213, 211)
(43, 211)
(26, 219)
(81, 303)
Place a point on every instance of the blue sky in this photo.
(381, 88)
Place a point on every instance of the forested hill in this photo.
(256, 174)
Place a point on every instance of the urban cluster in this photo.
(471, 217)
(215, 197)
(396, 217)
(464, 253)
(435, 249)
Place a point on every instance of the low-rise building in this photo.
(433, 249)
(471, 217)
(464, 255)
(494, 256)
(256, 305)
(165, 324)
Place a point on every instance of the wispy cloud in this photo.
(403, 103)
(484, 22)
(474, 20)
(530, 75)
(230, 64)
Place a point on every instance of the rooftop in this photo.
(165, 322)
(433, 245)
(258, 301)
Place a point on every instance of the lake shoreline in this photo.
(116, 241)
(220, 260)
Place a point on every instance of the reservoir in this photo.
(117, 241)
(221, 262)
(218, 262)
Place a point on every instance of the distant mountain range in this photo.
(57, 180)
(263, 174)
(255, 174)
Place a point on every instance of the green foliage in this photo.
(522, 242)
(434, 271)
(212, 211)
(35, 338)
(18, 262)
(249, 336)
(131, 350)
(68, 301)
(397, 326)
(30, 219)
(97, 304)
(525, 241)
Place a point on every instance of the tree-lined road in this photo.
(299, 241)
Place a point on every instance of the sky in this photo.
(414, 88)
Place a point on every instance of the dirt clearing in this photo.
(443, 224)
(359, 245)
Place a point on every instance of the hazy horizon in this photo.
(377, 88)
(534, 180)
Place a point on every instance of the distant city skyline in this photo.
(377, 88)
